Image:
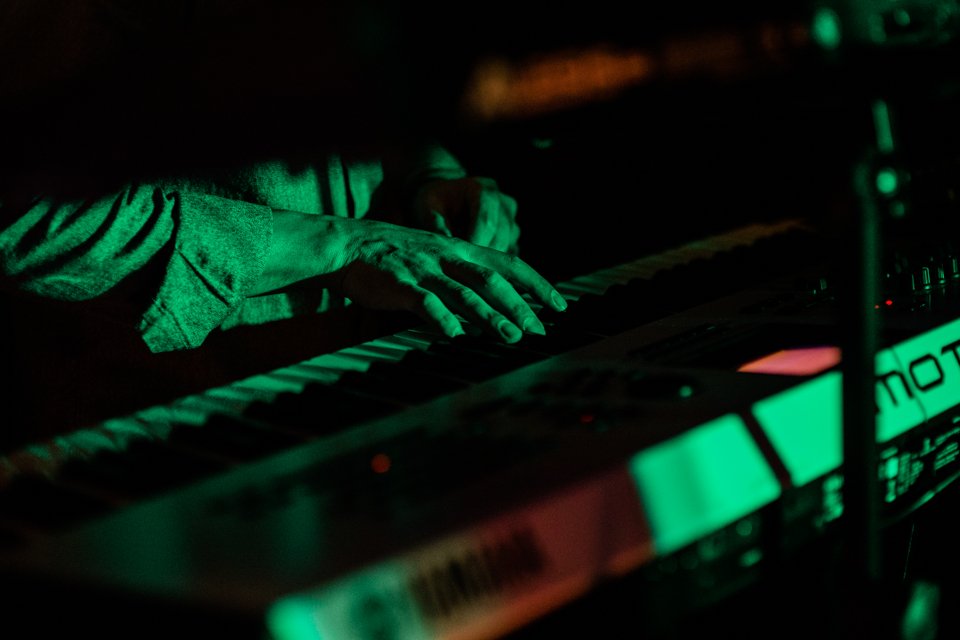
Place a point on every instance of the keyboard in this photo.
(439, 488)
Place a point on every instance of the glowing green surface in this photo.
(898, 408)
(883, 127)
(292, 619)
(931, 366)
(887, 181)
(701, 481)
(376, 603)
(542, 143)
(803, 424)
(902, 17)
(826, 29)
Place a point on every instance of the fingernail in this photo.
(456, 331)
(558, 302)
(533, 325)
(509, 331)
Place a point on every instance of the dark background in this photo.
(154, 88)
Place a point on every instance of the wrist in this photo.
(304, 247)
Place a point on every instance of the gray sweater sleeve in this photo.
(191, 258)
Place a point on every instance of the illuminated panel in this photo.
(898, 409)
(795, 362)
(804, 423)
(701, 481)
(930, 364)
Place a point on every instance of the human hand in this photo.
(471, 208)
(391, 267)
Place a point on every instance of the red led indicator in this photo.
(587, 418)
(889, 303)
(380, 463)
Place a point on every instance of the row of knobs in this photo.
(924, 277)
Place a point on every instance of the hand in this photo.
(389, 267)
(471, 208)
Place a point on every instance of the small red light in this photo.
(889, 303)
(380, 463)
(587, 418)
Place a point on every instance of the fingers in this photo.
(437, 278)
(431, 309)
(523, 276)
(484, 297)
(487, 299)
(470, 208)
(494, 217)
(437, 223)
(484, 289)
(508, 231)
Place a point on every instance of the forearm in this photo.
(303, 247)
(176, 263)
(76, 249)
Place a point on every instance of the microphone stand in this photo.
(903, 28)
(874, 179)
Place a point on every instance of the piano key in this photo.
(237, 394)
(405, 386)
(413, 339)
(480, 358)
(487, 356)
(45, 504)
(273, 382)
(443, 365)
(319, 409)
(342, 361)
(213, 401)
(572, 291)
(314, 373)
(145, 468)
(232, 439)
(376, 352)
(559, 339)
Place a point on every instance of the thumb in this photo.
(436, 222)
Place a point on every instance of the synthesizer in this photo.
(418, 487)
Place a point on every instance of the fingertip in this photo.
(440, 224)
(557, 301)
(532, 324)
(509, 331)
(454, 330)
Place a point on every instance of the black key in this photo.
(39, 501)
(233, 439)
(145, 468)
(487, 354)
(559, 340)
(320, 409)
(383, 380)
(444, 365)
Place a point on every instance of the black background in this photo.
(176, 87)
